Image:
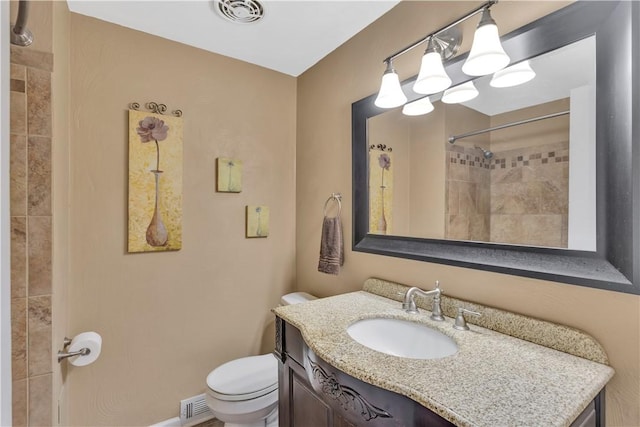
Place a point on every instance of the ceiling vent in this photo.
(240, 11)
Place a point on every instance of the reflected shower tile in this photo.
(458, 227)
(506, 228)
(467, 195)
(542, 230)
(452, 197)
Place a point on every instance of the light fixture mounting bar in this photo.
(479, 9)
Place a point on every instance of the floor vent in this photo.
(194, 410)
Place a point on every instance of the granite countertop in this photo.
(494, 379)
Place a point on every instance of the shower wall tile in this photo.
(542, 230)
(458, 227)
(31, 236)
(467, 195)
(18, 175)
(39, 255)
(18, 257)
(505, 228)
(32, 58)
(39, 102)
(479, 227)
(453, 198)
(40, 406)
(20, 399)
(18, 116)
(39, 317)
(19, 338)
(18, 72)
(39, 180)
(16, 85)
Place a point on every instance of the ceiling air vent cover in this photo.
(240, 11)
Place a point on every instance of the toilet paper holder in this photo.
(64, 355)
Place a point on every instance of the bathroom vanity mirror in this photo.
(448, 175)
(583, 229)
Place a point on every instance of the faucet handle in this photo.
(460, 322)
(436, 310)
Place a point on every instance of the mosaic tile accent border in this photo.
(469, 160)
(546, 157)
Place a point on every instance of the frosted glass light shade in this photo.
(513, 76)
(461, 93)
(487, 55)
(432, 78)
(390, 94)
(418, 108)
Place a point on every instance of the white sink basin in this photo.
(402, 338)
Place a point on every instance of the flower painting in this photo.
(229, 175)
(257, 221)
(155, 182)
(380, 191)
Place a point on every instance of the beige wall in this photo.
(167, 319)
(352, 72)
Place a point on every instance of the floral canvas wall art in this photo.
(380, 192)
(229, 175)
(155, 182)
(257, 221)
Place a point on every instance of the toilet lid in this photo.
(244, 378)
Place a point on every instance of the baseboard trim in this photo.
(175, 422)
(172, 422)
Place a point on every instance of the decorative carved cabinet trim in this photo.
(348, 398)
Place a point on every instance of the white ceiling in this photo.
(557, 73)
(292, 36)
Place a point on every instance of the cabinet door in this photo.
(306, 407)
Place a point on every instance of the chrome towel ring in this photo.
(336, 197)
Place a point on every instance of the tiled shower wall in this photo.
(468, 195)
(529, 195)
(520, 196)
(31, 236)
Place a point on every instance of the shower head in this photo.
(485, 153)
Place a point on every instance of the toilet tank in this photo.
(296, 298)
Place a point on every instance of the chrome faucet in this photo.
(409, 304)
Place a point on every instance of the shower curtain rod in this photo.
(454, 138)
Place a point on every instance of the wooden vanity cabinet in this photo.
(313, 393)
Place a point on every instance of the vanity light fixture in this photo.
(486, 56)
(461, 93)
(418, 108)
(514, 75)
(390, 94)
(432, 77)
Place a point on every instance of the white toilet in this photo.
(244, 392)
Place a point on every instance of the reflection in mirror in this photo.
(530, 182)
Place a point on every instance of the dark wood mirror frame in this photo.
(615, 265)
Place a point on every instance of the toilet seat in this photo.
(244, 379)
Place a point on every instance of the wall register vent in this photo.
(194, 410)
